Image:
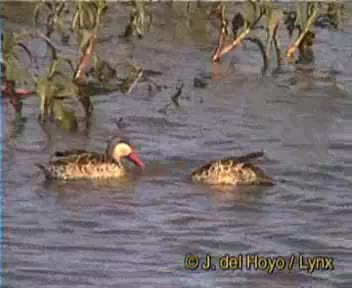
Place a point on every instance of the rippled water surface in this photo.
(137, 231)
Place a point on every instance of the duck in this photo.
(82, 164)
(233, 171)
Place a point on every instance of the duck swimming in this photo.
(81, 164)
(233, 171)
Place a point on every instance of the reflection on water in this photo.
(136, 231)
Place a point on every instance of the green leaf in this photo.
(65, 119)
(274, 17)
(8, 43)
(36, 12)
(87, 14)
(85, 37)
(45, 91)
(59, 23)
(65, 88)
(302, 18)
(57, 64)
(249, 12)
(102, 5)
(103, 71)
(138, 17)
(14, 70)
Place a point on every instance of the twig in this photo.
(134, 84)
(177, 95)
(174, 99)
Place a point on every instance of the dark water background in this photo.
(136, 232)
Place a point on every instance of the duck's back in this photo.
(232, 171)
(80, 164)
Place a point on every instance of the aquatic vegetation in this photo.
(70, 79)
(66, 77)
(140, 19)
(14, 73)
(174, 99)
(249, 20)
(307, 15)
(246, 22)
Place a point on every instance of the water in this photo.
(136, 232)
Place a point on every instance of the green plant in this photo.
(13, 71)
(303, 19)
(59, 84)
(242, 26)
(140, 19)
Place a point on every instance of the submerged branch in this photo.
(134, 84)
(176, 96)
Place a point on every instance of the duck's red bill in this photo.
(135, 159)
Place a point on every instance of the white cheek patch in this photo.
(122, 150)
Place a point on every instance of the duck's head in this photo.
(118, 149)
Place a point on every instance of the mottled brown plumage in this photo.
(81, 164)
(233, 171)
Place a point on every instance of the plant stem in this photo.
(290, 52)
(233, 45)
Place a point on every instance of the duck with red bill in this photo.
(82, 164)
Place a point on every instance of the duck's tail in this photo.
(261, 177)
(44, 169)
(264, 179)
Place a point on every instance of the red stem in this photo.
(85, 58)
(18, 91)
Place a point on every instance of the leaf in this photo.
(102, 70)
(58, 109)
(14, 70)
(45, 91)
(102, 6)
(85, 38)
(36, 12)
(260, 45)
(139, 18)
(65, 88)
(55, 65)
(249, 13)
(274, 17)
(25, 48)
(315, 11)
(8, 43)
(75, 21)
(87, 13)
(59, 23)
(65, 119)
(60, 8)
(302, 18)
